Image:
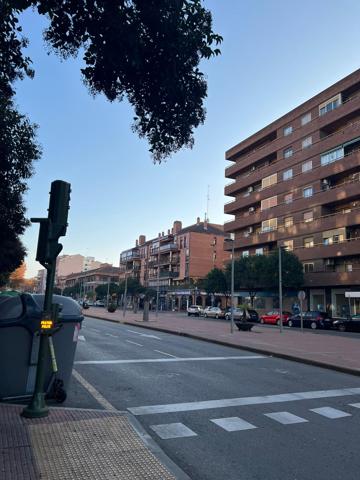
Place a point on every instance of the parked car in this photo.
(250, 314)
(273, 318)
(350, 324)
(195, 310)
(215, 312)
(312, 319)
(99, 303)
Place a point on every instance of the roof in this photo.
(212, 228)
(105, 270)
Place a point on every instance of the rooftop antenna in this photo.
(207, 203)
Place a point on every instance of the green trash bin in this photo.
(19, 344)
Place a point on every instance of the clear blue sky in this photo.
(275, 55)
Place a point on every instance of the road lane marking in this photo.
(94, 330)
(111, 335)
(233, 424)
(82, 338)
(172, 430)
(285, 418)
(242, 401)
(134, 343)
(164, 353)
(356, 405)
(92, 390)
(159, 360)
(144, 334)
(330, 412)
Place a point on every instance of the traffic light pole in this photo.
(48, 249)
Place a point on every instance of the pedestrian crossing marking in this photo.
(167, 431)
(330, 412)
(356, 405)
(285, 418)
(233, 424)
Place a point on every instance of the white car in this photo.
(195, 310)
(214, 312)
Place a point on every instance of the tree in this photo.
(72, 291)
(102, 290)
(17, 277)
(248, 274)
(292, 270)
(215, 282)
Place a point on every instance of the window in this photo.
(288, 130)
(306, 166)
(306, 118)
(307, 192)
(288, 222)
(259, 251)
(289, 245)
(288, 152)
(269, 203)
(330, 104)
(307, 142)
(289, 198)
(287, 174)
(308, 242)
(268, 181)
(332, 156)
(269, 225)
(308, 216)
(245, 253)
(308, 267)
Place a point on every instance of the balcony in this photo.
(341, 249)
(169, 247)
(135, 254)
(324, 279)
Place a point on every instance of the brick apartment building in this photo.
(176, 261)
(90, 279)
(296, 184)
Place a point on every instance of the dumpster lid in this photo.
(11, 306)
(70, 309)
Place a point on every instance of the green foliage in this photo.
(248, 273)
(72, 291)
(102, 290)
(215, 282)
(292, 270)
(57, 291)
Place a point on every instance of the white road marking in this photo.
(82, 338)
(172, 430)
(134, 343)
(330, 412)
(159, 360)
(144, 334)
(164, 353)
(356, 405)
(92, 390)
(233, 424)
(285, 418)
(94, 330)
(236, 402)
(111, 335)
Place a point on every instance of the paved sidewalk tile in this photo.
(74, 444)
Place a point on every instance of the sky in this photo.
(275, 55)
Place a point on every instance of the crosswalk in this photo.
(168, 431)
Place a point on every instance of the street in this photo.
(220, 412)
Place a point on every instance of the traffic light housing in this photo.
(54, 226)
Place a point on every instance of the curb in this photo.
(285, 356)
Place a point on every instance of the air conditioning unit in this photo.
(253, 168)
(250, 189)
(251, 209)
(246, 234)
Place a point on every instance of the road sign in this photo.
(301, 295)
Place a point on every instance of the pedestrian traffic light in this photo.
(53, 227)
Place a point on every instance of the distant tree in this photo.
(73, 291)
(16, 279)
(90, 294)
(248, 274)
(57, 291)
(102, 290)
(292, 270)
(215, 282)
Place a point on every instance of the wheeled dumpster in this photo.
(19, 344)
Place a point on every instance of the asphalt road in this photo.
(219, 412)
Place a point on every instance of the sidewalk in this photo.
(330, 351)
(78, 444)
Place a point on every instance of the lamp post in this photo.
(232, 240)
(158, 283)
(125, 295)
(280, 290)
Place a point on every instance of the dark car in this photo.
(350, 324)
(250, 314)
(312, 319)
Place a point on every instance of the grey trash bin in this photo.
(19, 343)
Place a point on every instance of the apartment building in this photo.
(295, 183)
(176, 260)
(67, 264)
(90, 279)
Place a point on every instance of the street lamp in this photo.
(158, 283)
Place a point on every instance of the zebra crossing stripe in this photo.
(330, 412)
(285, 418)
(356, 405)
(172, 430)
(233, 424)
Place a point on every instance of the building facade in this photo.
(90, 279)
(296, 184)
(68, 264)
(176, 260)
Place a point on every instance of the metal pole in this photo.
(301, 316)
(280, 292)
(108, 291)
(158, 282)
(125, 295)
(232, 288)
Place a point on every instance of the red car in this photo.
(273, 318)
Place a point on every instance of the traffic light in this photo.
(53, 227)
